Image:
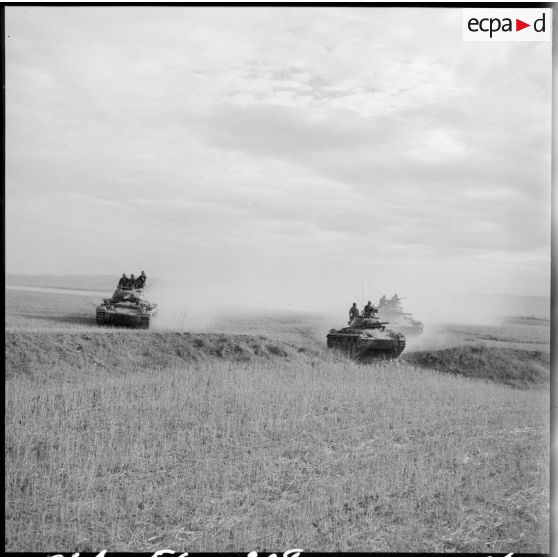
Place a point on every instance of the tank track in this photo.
(354, 349)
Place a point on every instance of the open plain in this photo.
(250, 435)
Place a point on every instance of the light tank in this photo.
(127, 307)
(366, 339)
(401, 321)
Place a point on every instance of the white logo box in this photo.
(492, 24)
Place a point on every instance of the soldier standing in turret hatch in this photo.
(369, 310)
(123, 281)
(353, 312)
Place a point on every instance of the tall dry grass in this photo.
(312, 453)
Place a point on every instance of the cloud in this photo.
(333, 142)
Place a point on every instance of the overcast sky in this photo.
(293, 155)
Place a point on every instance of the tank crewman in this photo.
(133, 281)
(369, 310)
(353, 312)
(382, 301)
(123, 281)
(142, 279)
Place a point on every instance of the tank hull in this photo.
(123, 318)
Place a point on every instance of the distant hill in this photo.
(82, 282)
(507, 305)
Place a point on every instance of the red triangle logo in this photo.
(519, 25)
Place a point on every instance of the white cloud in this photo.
(306, 140)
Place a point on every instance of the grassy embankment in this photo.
(514, 367)
(123, 440)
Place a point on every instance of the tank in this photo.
(366, 339)
(403, 322)
(127, 307)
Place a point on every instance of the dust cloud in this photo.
(181, 308)
(190, 304)
(193, 303)
(479, 309)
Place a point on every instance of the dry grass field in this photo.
(254, 437)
